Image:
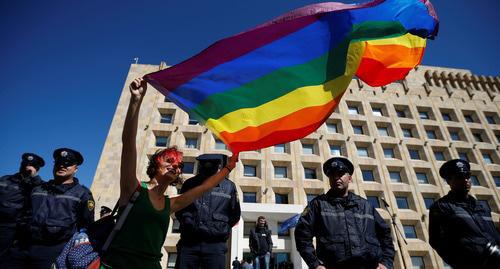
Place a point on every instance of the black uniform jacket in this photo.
(14, 198)
(210, 217)
(349, 233)
(459, 229)
(59, 210)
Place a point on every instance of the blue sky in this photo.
(63, 63)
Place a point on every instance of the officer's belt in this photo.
(342, 214)
(58, 196)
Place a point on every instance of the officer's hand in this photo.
(381, 266)
(138, 88)
(321, 267)
(232, 162)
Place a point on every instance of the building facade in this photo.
(397, 137)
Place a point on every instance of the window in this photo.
(424, 115)
(353, 110)
(281, 198)
(428, 201)
(431, 134)
(422, 178)
(414, 154)
(310, 197)
(161, 141)
(401, 113)
(484, 204)
(172, 257)
(487, 158)
(188, 168)
(478, 137)
(249, 171)
(307, 148)
(331, 127)
(383, 131)
(446, 116)
(335, 150)
(490, 119)
(497, 180)
(192, 121)
(220, 145)
(389, 153)
(310, 173)
(249, 197)
(368, 175)
(439, 155)
(377, 111)
(407, 132)
(468, 118)
(373, 200)
(455, 136)
(175, 226)
(357, 129)
(191, 143)
(395, 176)
(247, 227)
(402, 202)
(280, 148)
(417, 262)
(363, 152)
(410, 231)
(474, 180)
(166, 118)
(280, 172)
(463, 156)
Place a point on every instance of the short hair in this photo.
(171, 155)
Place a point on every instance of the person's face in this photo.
(339, 180)
(169, 171)
(262, 222)
(29, 170)
(460, 182)
(65, 170)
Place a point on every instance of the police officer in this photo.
(60, 207)
(460, 229)
(105, 211)
(349, 231)
(14, 199)
(205, 225)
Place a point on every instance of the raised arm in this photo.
(128, 177)
(183, 200)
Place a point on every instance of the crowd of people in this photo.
(38, 218)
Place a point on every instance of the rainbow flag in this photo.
(281, 80)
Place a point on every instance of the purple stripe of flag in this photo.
(240, 44)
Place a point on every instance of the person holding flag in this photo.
(139, 242)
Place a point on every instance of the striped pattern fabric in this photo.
(281, 80)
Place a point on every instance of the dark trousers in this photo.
(31, 256)
(201, 256)
(7, 236)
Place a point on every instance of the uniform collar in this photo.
(347, 200)
(469, 200)
(62, 187)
